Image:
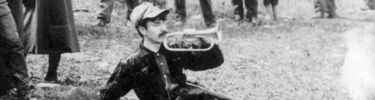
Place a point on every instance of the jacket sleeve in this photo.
(120, 82)
(199, 61)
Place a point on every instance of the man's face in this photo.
(156, 30)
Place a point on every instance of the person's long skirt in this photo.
(49, 27)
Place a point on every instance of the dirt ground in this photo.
(294, 58)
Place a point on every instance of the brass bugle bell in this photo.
(211, 34)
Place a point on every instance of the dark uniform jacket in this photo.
(140, 72)
(16, 7)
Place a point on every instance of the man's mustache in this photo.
(163, 33)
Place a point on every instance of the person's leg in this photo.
(238, 10)
(53, 61)
(331, 6)
(104, 16)
(252, 9)
(180, 10)
(130, 5)
(207, 11)
(319, 6)
(270, 6)
(274, 10)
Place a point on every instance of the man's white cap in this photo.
(146, 10)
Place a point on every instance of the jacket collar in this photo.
(146, 51)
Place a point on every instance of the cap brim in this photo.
(157, 13)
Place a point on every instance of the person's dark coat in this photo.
(16, 7)
(49, 27)
(13, 71)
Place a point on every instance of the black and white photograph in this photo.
(187, 49)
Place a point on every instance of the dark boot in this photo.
(53, 61)
(332, 14)
(24, 93)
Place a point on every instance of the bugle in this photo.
(212, 34)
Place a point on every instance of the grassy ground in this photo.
(295, 58)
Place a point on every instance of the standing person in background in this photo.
(323, 7)
(271, 8)
(13, 70)
(208, 14)
(159, 3)
(251, 7)
(50, 29)
(106, 6)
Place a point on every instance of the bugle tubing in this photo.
(213, 34)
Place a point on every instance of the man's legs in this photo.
(252, 10)
(208, 14)
(104, 16)
(325, 6)
(271, 7)
(180, 10)
(318, 9)
(238, 10)
(14, 71)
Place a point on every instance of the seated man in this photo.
(156, 73)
